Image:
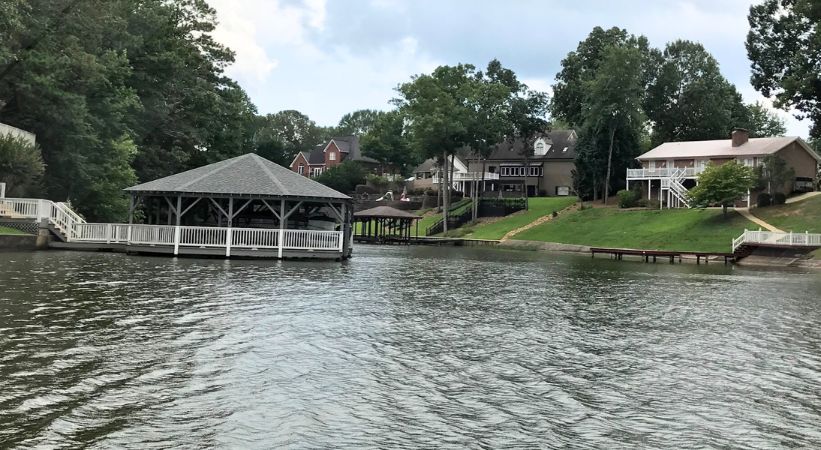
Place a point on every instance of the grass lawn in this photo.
(678, 229)
(538, 207)
(799, 217)
(7, 230)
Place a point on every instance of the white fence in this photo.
(208, 237)
(75, 229)
(467, 176)
(777, 239)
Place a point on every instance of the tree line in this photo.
(121, 91)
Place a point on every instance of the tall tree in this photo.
(359, 122)
(388, 143)
(689, 99)
(21, 166)
(528, 109)
(784, 45)
(294, 129)
(580, 66)
(613, 109)
(763, 122)
(441, 112)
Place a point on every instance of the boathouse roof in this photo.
(385, 212)
(246, 175)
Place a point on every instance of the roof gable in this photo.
(249, 175)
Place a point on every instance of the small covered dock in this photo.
(385, 225)
(241, 207)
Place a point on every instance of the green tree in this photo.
(296, 131)
(613, 110)
(387, 143)
(689, 99)
(441, 112)
(21, 166)
(722, 185)
(581, 66)
(784, 45)
(763, 122)
(344, 177)
(358, 123)
(775, 175)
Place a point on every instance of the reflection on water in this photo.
(405, 347)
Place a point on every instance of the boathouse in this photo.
(385, 225)
(241, 207)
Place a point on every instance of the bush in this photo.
(344, 177)
(779, 198)
(628, 199)
(21, 166)
(652, 204)
(764, 199)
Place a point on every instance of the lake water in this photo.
(405, 347)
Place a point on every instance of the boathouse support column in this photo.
(281, 235)
(228, 236)
(177, 228)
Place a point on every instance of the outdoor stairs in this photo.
(679, 195)
(59, 217)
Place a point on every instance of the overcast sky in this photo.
(329, 57)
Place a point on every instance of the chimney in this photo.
(740, 137)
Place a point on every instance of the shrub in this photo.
(779, 198)
(652, 204)
(763, 200)
(627, 199)
(21, 166)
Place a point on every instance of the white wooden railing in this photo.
(208, 237)
(778, 239)
(467, 176)
(58, 213)
(664, 172)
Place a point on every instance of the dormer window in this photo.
(540, 148)
(332, 156)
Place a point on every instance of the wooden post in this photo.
(228, 236)
(130, 208)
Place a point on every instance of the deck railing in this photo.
(208, 237)
(58, 213)
(467, 176)
(777, 239)
(664, 172)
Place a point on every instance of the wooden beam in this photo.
(190, 206)
(219, 207)
(337, 212)
(235, 213)
(292, 209)
(276, 214)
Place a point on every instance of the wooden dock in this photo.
(618, 253)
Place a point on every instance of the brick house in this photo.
(671, 169)
(330, 154)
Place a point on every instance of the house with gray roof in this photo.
(668, 171)
(548, 170)
(330, 154)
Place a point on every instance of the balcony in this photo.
(658, 173)
(468, 176)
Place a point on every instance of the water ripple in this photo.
(405, 347)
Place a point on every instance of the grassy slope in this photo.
(684, 229)
(799, 217)
(538, 207)
(7, 230)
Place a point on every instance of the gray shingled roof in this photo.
(562, 146)
(248, 174)
(387, 212)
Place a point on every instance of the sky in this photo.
(326, 58)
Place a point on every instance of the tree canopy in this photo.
(784, 45)
(722, 184)
(21, 166)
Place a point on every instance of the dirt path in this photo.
(535, 223)
(749, 216)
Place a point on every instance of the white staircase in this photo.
(677, 195)
(60, 217)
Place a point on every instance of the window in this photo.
(301, 169)
(316, 171)
(540, 148)
(332, 156)
(563, 190)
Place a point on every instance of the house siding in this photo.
(300, 159)
(333, 156)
